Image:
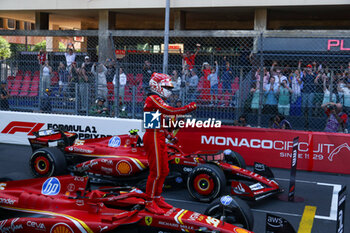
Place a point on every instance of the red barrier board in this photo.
(318, 151)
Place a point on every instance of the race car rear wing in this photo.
(52, 137)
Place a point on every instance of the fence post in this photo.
(133, 101)
(261, 86)
(77, 100)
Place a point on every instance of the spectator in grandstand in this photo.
(4, 95)
(255, 91)
(279, 122)
(270, 106)
(308, 91)
(337, 119)
(295, 79)
(192, 87)
(242, 121)
(227, 76)
(70, 54)
(46, 75)
(147, 72)
(86, 70)
(189, 57)
(214, 82)
(46, 101)
(122, 84)
(176, 81)
(273, 72)
(185, 79)
(99, 109)
(284, 92)
(63, 82)
(111, 70)
(206, 69)
(99, 70)
(265, 79)
(326, 90)
(41, 57)
(279, 77)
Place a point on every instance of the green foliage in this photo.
(39, 46)
(5, 51)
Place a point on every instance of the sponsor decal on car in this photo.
(61, 228)
(107, 170)
(114, 141)
(213, 221)
(11, 228)
(82, 150)
(177, 160)
(256, 186)
(51, 186)
(123, 167)
(7, 201)
(36, 226)
(240, 230)
(71, 187)
(226, 200)
(107, 161)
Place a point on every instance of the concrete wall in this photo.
(137, 4)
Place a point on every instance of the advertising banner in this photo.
(317, 151)
(16, 127)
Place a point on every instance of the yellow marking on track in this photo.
(307, 220)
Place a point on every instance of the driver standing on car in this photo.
(154, 141)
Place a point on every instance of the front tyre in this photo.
(237, 213)
(206, 182)
(234, 158)
(46, 162)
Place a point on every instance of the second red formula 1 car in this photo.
(122, 161)
(66, 204)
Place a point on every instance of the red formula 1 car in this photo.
(66, 204)
(122, 160)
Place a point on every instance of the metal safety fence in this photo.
(260, 79)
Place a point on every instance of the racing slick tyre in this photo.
(47, 162)
(234, 158)
(237, 213)
(206, 182)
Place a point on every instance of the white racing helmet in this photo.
(161, 84)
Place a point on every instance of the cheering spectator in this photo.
(193, 84)
(99, 109)
(255, 98)
(337, 119)
(284, 92)
(86, 70)
(214, 82)
(99, 70)
(63, 82)
(74, 73)
(46, 75)
(111, 70)
(4, 95)
(296, 80)
(147, 72)
(280, 122)
(189, 58)
(326, 92)
(308, 91)
(271, 97)
(176, 80)
(227, 76)
(265, 79)
(279, 77)
(41, 57)
(122, 83)
(70, 54)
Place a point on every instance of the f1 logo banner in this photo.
(276, 224)
(293, 169)
(24, 127)
(341, 210)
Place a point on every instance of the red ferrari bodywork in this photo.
(65, 204)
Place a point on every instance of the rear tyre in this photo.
(237, 213)
(234, 158)
(47, 162)
(206, 182)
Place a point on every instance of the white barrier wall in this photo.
(16, 127)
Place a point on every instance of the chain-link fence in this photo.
(234, 79)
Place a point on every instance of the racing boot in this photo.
(161, 203)
(152, 207)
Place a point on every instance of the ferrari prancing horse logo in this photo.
(177, 160)
(148, 220)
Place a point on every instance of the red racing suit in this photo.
(155, 147)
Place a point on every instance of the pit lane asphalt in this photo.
(315, 188)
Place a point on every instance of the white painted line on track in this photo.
(334, 203)
(300, 181)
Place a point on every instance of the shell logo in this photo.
(240, 230)
(61, 228)
(123, 167)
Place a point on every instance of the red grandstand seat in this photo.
(19, 72)
(140, 93)
(34, 89)
(28, 73)
(204, 87)
(128, 94)
(36, 73)
(25, 86)
(110, 94)
(10, 81)
(130, 80)
(16, 85)
(139, 78)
